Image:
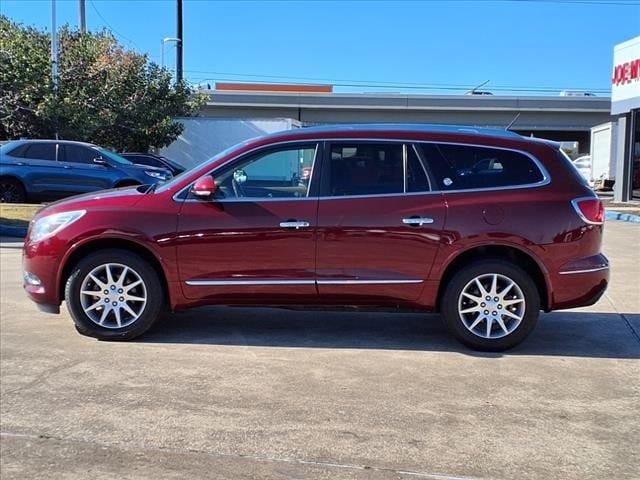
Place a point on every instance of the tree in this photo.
(106, 95)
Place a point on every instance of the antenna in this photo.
(513, 121)
(477, 87)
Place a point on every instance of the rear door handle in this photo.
(417, 221)
(294, 224)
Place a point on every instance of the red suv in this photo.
(484, 226)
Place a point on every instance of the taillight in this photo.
(590, 209)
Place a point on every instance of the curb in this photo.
(624, 217)
(11, 231)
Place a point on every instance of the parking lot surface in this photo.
(267, 393)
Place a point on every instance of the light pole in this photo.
(164, 41)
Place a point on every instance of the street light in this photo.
(164, 41)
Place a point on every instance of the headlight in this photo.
(158, 175)
(51, 224)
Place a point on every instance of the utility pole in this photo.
(82, 17)
(180, 42)
(54, 58)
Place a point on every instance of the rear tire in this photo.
(12, 191)
(113, 294)
(491, 305)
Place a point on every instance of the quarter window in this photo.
(281, 173)
(463, 167)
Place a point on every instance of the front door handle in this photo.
(294, 224)
(417, 221)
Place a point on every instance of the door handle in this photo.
(68, 167)
(417, 221)
(294, 224)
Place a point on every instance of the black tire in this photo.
(505, 270)
(12, 191)
(153, 289)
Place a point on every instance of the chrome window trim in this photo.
(546, 179)
(587, 270)
(229, 282)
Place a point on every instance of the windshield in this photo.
(114, 156)
(178, 178)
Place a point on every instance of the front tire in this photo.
(113, 295)
(491, 305)
(12, 191)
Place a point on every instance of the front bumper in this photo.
(41, 265)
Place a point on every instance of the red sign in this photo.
(626, 72)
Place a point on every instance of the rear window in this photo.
(19, 151)
(465, 167)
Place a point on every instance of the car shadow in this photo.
(571, 333)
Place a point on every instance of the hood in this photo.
(116, 197)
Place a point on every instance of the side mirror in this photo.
(100, 161)
(204, 187)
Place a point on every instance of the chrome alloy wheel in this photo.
(491, 306)
(113, 295)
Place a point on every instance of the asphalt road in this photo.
(263, 393)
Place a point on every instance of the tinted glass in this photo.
(462, 167)
(113, 156)
(365, 169)
(282, 173)
(417, 180)
(20, 151)
(42, 151)
(77, 154)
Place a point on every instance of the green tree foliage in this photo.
(106, 95)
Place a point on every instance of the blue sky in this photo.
(369, 46)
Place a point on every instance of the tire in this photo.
(12, 191)
(111, 325)
(468, 319)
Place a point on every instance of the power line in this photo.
(110, 27)
(384, 84)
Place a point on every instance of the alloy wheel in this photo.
(113, 295)
(491, 306)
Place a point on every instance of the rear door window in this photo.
(371, 168)
(465, 167)
(42, 151)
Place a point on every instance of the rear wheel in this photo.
(491, 305)
(113, 295)
(12, 191)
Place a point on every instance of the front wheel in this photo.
(491, 305)
(113, 295)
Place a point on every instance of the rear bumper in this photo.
(580, 283)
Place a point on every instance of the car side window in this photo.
(465, 167)
(370, 168)
(77, 154)
(42, 151)
(275, 173)
(365, 169)
(19, 152)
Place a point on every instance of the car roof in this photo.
(52, 140)
(326, 131)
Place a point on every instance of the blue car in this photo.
(38, 170)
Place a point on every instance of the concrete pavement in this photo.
(266, 393)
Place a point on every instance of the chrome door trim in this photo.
(367, 282)
(231, 281)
